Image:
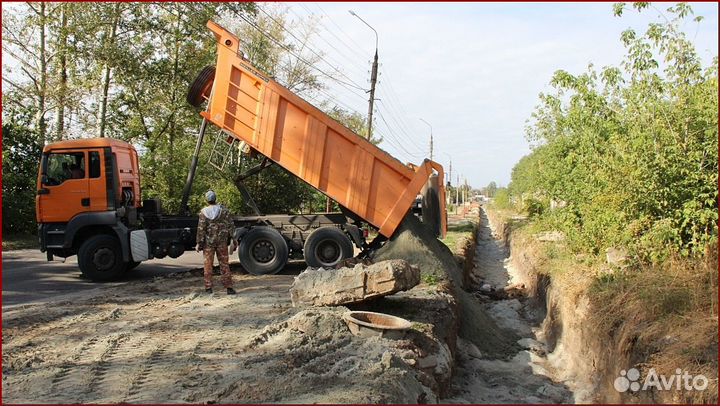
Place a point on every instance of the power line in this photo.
(407, 136)
(281, 45)
(338, 102)
(352, 60)
(282, 25)
(394, 101)
(358, 47)
(395, 138)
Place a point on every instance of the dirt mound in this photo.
(312, 357)
(165, 340)
(415, 243)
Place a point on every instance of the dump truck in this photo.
(89, 200)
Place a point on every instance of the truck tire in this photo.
(100, 258)
(200, 88)
(131, 265)
(326, 247)
(263, 251)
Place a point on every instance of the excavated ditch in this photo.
(516, 370)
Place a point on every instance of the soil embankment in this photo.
(589, 342)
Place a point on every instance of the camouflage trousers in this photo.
(222, 256)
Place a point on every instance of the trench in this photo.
(522, 375)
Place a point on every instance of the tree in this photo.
(109, 69)
(21, 148)
(632, 149)
(490, 189)
(25, 41)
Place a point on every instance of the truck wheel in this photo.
(131, 265)
(200, 88)
(326, 247)
(100, 258)
(263, 251)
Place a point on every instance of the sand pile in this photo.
(313, 357)
(165, 340)
(416, 244)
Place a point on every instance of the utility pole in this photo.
(465, 193)
(373, 78)
(457, 193)
(431, 138)
(431, 146)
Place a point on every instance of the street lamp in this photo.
(431, 138)
(373, 76)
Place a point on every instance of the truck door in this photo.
(97, 180)
(63, 189)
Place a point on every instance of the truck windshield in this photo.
(64, 166)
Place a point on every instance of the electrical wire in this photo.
(402, 132)
(319, 56)
(358, 47)
(352, 60)
(394, 137)
(349, 86)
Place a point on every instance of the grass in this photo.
(457, 232)
(671, 311)
(19, 242)
(430, 279)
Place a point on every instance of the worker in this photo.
(76, 172)
(67, 173)
(215, 230)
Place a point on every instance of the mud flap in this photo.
(139, 246)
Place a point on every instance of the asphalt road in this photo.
(27, 276)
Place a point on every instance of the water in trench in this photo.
(522, 377)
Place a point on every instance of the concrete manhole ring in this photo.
(369, 324)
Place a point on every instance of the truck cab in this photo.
(88, 189)
(86, 176)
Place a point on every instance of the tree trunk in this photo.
(40, 123)
(175, 74)
(110, 43)
(62, 75)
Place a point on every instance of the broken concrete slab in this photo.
(319, 287)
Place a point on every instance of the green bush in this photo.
(21, 153)
(533, 207)
(632, 150)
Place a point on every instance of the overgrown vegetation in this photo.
(629, 154)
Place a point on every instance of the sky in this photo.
(473, 71)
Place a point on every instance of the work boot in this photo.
(208, 290)
(231, 291)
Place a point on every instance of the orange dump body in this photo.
(310, 144)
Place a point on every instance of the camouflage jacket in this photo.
(215, 227)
